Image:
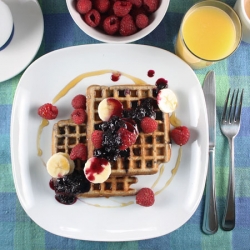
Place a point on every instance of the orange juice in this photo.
(247, 7)
(209, 33)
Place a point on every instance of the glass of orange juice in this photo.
(210, 31)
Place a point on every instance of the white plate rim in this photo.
(14, 141)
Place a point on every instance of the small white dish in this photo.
(6, 25)
(240, 7)
(26, 40)
(43, 80)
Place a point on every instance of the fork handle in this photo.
(228, 220)
(210, 221)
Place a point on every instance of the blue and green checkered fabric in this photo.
(18, 231)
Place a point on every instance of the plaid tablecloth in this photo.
(18, 231)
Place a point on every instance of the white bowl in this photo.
(154, 20)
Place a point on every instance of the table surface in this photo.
(18, 231)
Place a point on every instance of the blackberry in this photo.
(146, 108)
(111, 139)
(66, 199)
(111, 156)
(67, 187)
(161, 83)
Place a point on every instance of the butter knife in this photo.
(210, 220)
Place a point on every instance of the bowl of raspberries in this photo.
(115, 21)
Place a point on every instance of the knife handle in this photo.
(210, 220)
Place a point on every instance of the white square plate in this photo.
(43, 80)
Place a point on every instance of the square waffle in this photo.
(66, 134)
(150, 150)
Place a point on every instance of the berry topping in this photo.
(146, 108)
(141, 21)
(48, 111)
(101, 5)
(69, 186)
(127, 26)
(92, 18)
(109, 107)
(79, 151)
(145, 197)
(180, 135)
(97, 170)
(127, 138)
(161, 83)
(96, 138)
(151, 5)
(111, 24)
(78, 116)
(111, 139)
(122, 8)
(83, 6)
(148, 125)
(79, 102)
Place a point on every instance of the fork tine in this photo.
(233, 117)
(230, 112)
(238, 114)
(223, 118)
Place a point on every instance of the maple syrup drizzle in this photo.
(162, 167)
(173, 172)
(77, 79)
(43, 124)
(174, 121)
(122, 204)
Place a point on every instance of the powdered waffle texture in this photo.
(150, 150)
(66, 134)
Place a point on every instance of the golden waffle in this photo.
(66, 134)
(114, 186)
(150, 150)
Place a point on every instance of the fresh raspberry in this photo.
(180, 135)
(79, 151)
(96, 138)
(48, 111)
(151, 5)
(148, 125)
(92, 18)
(145, 197)
(79, 102)
(111, 24)
(78, 116)
(136, 3)
(127, 26)
(83, 6)
(101, 5)
(122, 8)
(127, 138)
(141, 21)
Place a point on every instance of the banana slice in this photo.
(71, 162)
(108, 107)
(97, 170)
(167, 100)
(58, 165)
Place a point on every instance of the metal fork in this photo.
(230, 126)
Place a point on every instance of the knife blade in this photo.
(210, 220)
